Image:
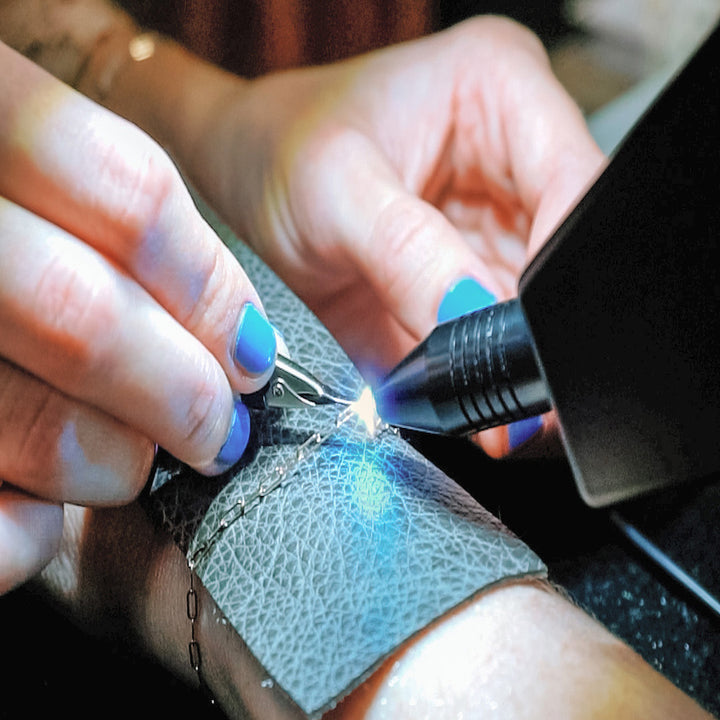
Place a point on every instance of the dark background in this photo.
(47, 666)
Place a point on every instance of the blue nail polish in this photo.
(237, 438)
(521, 431)
(256, 344)
(465, 296)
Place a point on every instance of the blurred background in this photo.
(599, 47)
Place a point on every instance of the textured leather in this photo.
(363, 547)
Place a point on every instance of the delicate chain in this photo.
(279, 475)
(191, 604)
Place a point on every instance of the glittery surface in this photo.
(676, 634)
(672, 635)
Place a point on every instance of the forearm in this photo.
(517, 651)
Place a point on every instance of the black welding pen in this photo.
(616, 325)
(476, 372)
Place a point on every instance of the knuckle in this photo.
(150, 192)
(139, 189)
(491, 31)
(212, 308)
(404, 237)
(327, 145)
(201, 422)
(75, 307)
(38, 433)
(61, 450)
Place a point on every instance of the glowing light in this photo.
(365, 409)
(371, 491)
(142, 47)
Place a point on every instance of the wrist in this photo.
(520, 650)
(59, 36)
(167, 91)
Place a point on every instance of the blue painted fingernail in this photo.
(465, 296)
(256, 344)
(521, 431)
(237, 438)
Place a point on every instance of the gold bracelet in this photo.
(140, 47)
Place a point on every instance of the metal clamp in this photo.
(292, 386)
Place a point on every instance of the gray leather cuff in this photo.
(356, 544)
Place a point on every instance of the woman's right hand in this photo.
(124, 321)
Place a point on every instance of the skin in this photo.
(519, 650)
(372, 185)
(97, 292)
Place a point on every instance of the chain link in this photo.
(192, 608)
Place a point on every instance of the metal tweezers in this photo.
(292, 386)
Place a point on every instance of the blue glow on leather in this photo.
(371, 491)
(366, 545)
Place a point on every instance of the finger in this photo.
(407, 249)
(107, 183)
(71, 318)
(494, 119)
(30, 533)
(522, 127)
(532, 437)
(64, 451)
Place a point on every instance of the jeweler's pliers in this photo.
(292, 386)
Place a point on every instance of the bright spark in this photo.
(365, 409)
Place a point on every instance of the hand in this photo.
(375, 185)
(124, 321)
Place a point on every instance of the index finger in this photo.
(542, 143)
(103, 180)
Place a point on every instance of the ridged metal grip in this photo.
(470, 374)
(492, 367)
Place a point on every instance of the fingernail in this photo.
(282, 347)
(521, 431)
(465, 296)
(256, 344)
(237, 438)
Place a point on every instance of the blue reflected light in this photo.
(371, 490)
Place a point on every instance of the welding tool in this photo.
(617, 321)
